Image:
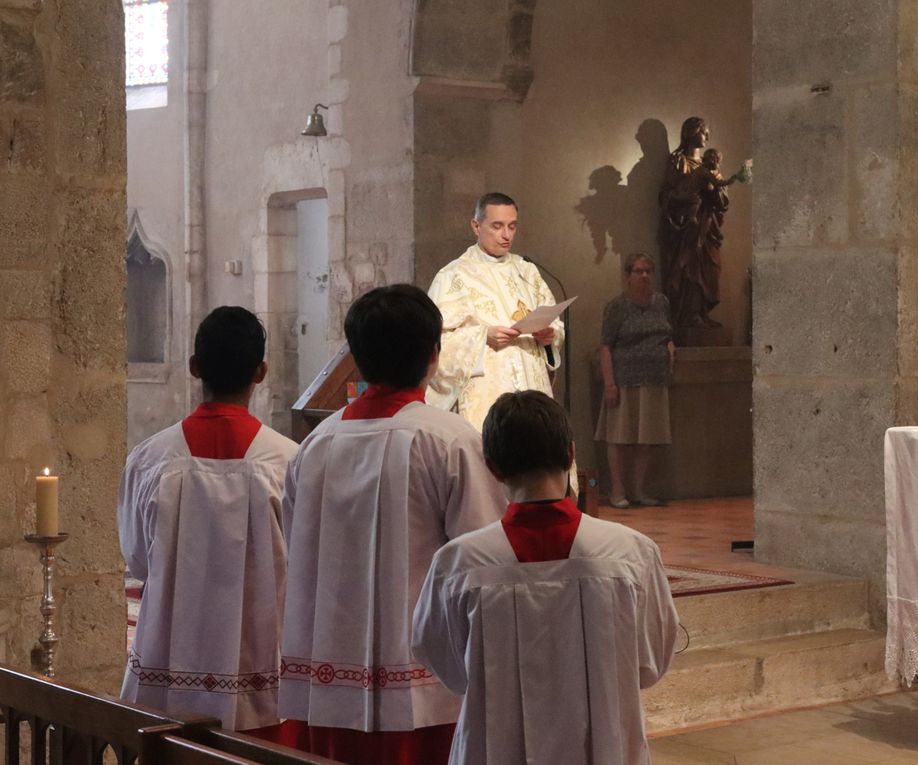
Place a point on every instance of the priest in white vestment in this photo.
(373, 492)
(481, 295)
(549, 621)
(199, 518)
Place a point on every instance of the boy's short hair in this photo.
(228, 348)
(393, 333)
(526, 432)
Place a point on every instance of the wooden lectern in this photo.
(328, 393)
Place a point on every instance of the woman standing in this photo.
(636, 359)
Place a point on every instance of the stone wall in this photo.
(62, 347)
(835, 294)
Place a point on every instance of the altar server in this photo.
(199, 516)
(549, 621)
(373, 492)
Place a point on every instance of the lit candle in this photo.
(46, 504)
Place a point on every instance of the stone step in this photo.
(814, 603)
(727, 682)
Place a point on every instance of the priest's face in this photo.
(495, 233)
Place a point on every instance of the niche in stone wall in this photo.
(296, 299)
(147, 306)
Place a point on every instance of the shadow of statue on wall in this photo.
(604, 211)
(625, 218)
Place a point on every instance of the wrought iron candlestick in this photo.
(48, 638)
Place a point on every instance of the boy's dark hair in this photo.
(491, 198)
(228, 347)
(392, 332)
(526, 432)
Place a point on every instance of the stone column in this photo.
(196, 16)
(62, 340)
(835, 282)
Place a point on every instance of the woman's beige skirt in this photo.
(641, 417)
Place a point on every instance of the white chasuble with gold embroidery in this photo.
(474, 292)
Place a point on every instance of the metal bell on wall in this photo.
(315, 123)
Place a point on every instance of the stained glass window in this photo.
(146, 41)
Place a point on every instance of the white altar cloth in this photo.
(901, 472)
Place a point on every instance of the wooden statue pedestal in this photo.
(710, 403)
(702, 337)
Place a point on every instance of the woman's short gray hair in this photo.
(634, 257)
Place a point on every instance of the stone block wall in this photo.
(833, 304)
(452, 141)
(62, 345)
(377, 117)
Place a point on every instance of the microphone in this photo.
(542, 268)
(549, 353)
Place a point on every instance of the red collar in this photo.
(220, 431)
(379, 401)
(540, 514)
(541, 531)
(220, 409)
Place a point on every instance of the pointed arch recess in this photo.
(148, 305)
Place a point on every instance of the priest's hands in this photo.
(500, 337)
(544, 336)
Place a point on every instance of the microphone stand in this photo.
(565, 319)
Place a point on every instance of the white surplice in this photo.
(367, 504)
(205, 536)
(551, 655)
(474, 292)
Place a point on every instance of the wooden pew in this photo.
(251, 749)
(173, 749)
(72, 726)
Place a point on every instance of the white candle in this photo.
(46, 504)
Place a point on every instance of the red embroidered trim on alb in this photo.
(355, 675)
(210, 682)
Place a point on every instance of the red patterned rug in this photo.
(697, 581)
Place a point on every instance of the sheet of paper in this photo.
(541, 317)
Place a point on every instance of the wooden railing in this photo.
(71, 726)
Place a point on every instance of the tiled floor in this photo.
(878, 731)
(698, 532)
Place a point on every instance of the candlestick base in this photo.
(48, 638)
